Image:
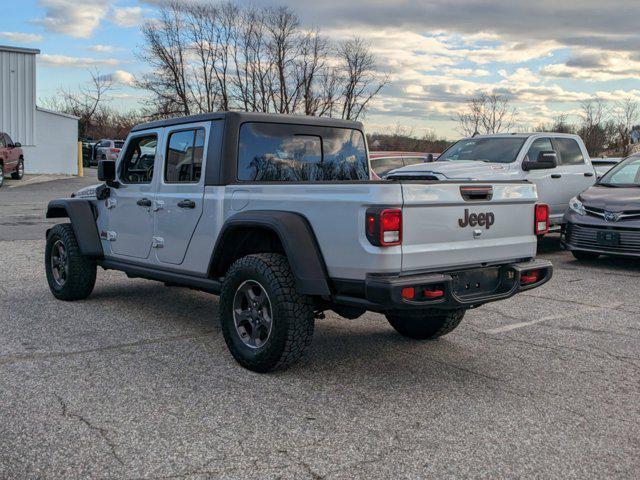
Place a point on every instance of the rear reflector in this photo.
(408, 293)
(541, 219)
(528, 278)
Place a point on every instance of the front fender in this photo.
(83, 221)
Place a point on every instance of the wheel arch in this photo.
(83, 221)
(288, 232)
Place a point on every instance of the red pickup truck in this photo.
(11, 158)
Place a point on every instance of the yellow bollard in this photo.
(80, 166)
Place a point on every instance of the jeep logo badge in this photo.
(477, 219)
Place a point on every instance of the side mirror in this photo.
(545, 160)
(17, 145)
(106, 170)
(429, 158)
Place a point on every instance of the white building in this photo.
(49, 139)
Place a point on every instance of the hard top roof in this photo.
(242, 117)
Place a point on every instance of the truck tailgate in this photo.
(445, 226)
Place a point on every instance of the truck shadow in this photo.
(350, 349)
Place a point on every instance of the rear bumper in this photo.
(466, 288)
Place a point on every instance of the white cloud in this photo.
(127, 16)
(21, 37)
(76, 18)
(595, 65)
(120, 77)
(75, 62)
(102, 48)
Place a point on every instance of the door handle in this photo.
(588, 174)
(144, 202)
(555, 175)
(187, 204)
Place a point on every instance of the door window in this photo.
(2, 142)
(184, 156)
(569, 150)
(538, 145)
(138, 160)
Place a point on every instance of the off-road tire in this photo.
(427, 324)
(292, 313)
(81, 270)
(584, 256)
(19, 172)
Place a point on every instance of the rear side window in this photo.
(270, 152)
(118, 144)
(569, 150)
(184, 156)
(539, 145)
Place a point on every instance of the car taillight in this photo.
(115, 150)
(541, 220)
(530, 277)
(384, 227)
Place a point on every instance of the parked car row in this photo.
(11, 158)
(105, 149)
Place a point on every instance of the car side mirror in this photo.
(429, 158)
(15, 145)
(545, 160)
(106, 171)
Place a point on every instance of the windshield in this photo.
(496, 149)
(626, 173)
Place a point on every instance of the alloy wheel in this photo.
(252, 314)
(59, 263)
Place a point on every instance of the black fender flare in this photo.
(297, 238)
(83, 221)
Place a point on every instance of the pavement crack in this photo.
(28, 357)
(301, 463)
(103, 433)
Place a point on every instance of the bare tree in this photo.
(470, 121)
(487, 114)
(165, 50)
(282, 26)
(626, 114)
(210, 56)
(360, 82)
(86, 102)
(592, 129)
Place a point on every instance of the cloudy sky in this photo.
(547, 55)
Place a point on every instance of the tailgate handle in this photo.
(476, 193)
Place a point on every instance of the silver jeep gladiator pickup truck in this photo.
(278, 215)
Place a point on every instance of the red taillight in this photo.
(115, 150)
(528, 278)
(433, 293)
(384, 227)
(541, 219)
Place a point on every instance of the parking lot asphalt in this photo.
(136, 381)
